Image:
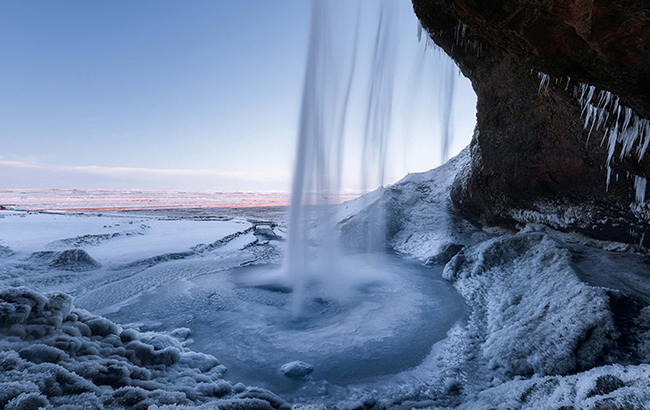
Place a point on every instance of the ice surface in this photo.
(380, 330)
(110, 239)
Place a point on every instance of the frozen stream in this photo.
(399, 310)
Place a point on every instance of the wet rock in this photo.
(297, 370)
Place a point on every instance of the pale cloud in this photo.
(28, 173)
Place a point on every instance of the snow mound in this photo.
(418, 212)
(530, 310)
(52, 354)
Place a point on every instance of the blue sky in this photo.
(196, 95)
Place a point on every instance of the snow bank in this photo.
(607, 387)
(531, 314)
(52, 354)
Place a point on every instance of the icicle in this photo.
(609, 176)
(646, 142)
(601, 117)
(629, 138)
(640, 187)
(628, 117)
(545, 79)
(591, 129)
(590, 110)
(583, 90)
(590, 94)
(613, 134)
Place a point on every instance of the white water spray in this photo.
(326, 107)
(319, 150)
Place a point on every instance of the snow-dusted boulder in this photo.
(296, 370)
(76, 260)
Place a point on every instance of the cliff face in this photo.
(542, 69)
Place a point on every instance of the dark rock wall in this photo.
(532, 159)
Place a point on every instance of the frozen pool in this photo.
(395, 314)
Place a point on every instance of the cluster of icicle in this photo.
(621, 124)
(602, 109)
(469, 46)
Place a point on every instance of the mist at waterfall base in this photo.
(339, 86)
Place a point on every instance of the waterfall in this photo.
(330, 79)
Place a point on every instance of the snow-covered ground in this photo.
(168, 311)
(168, 282)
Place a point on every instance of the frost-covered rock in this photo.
(76, 260)
(182, 333)
(54, 355)
(296, 370)
(608, 387)
(531, 314)
(5, 252)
